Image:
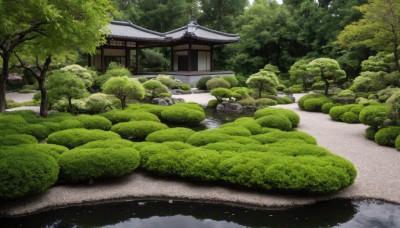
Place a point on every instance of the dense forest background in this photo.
(271, 33)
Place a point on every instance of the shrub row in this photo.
(292, 116)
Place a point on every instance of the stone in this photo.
(230, 108)
(166, 101)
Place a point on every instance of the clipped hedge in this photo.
(39, 131)
(137, 130)
(275, 121)
(315, 104)
(190, 105)
(17, 139)
(118, 116)
(70, 124)
(370, 133)
(108, 143)
(291, 115)
(94, 122)
(268, 171)
(397, 143)
(326, 108)
(234, 131)
(387, 136)
(275, 136)
(25, 172)
(265, 102)
(284, 100)
(374, 115)
(76, 137)
(248, 123)
(180, 134)
(80, 165)
(182, 115)
(301, 101)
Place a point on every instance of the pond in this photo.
(333, 213)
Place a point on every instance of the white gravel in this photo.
(378, 175)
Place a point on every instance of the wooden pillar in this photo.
(137, 59)
(102, 65)
(211, 58)
(172, 58)
(190, 57)
(89, 60)
(127, 58)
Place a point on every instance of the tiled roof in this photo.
(127, 30)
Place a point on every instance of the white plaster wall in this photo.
(203, 61)
(194, 46)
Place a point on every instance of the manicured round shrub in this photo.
(108, 143)
(202, 138)
(234, 131)
(137, 130)
(265, 102)
(315, 104)
(15, 122)
(39, 131)
(49, 149)
(275, 121)
(250, 124)
(69, 124)
(186, 87)
(118, 116)
(154, 109)
(94, 122)
(182, 115)
(201, 84)
(397, 143)
(327, 107)
(190, 105)
(282, 135)
(212, 104)
(217, 83)
(337, 112)
(301, 101)
(291, 115)
(53, 127)
(387, 136)
(370, 133)
(349, 117)
(80, 165)
(17, 139)
(284, 100)
(76, 137)
(231, 79)
(374, 115)
(25, 172)
(180, 134)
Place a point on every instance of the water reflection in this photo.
(335, 213)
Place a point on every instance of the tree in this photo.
(327, 69)
(221, 93)
(378, 62)
(65, 84)
(299, 71)
(122, 88)
(155, 87)
(49, 28)
(378, 29)
(263, 80)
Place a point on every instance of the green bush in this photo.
(39, 131)
(76, 137)
(49, 149)
(202, 84)
(301, 101)
(315, 104)
(349, 117)
(294, 89)
(234, 131)
(275, 121)
(265, 102)
(15, 122)
(53, 127)
(370, 133)
(108, 143)
(180, 134)
(186, 87)
(318, 85)
(217, 83)
(250, 124)
(202, 138)
(374, 115)
(118, 116)
(319, 173)
(25, 172)
(182, 115)
(397, 143)
(69, 124)
(212, 104)
(291, 115)
(190, 105)
(137, 130)
(326, 108)
(80, 165)
(247, 101)
(231, 79)
(100, 102)
(336, 113)
(284, 100)
(387, 136)
(94, 122)
(154, 109)
(143, 80)
(17, 139)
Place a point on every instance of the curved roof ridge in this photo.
(127, 22)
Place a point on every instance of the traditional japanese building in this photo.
(192, 48)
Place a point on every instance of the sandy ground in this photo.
(378, 175)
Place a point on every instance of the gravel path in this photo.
(378, 175)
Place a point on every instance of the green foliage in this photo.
(234, 131)
(231, 79)
(17, 139)
(284, 100)
(83, 73)
(108, 143)
(379, 62)
(275, 121)
(349, 117)
(217, 83)
(326, 108)
(155, 88)
(384, 94)
(76, 137)
(293, 89)
(69, 124)
(387, 136)
(39, 131)
(298, 71)
(186, 87)
(114, 70)
(374, 115)
(221, 93)
(370, 133)
(212, 104)
(346, 113)
(137, 130)
(248, 123)
(123, 88)
(25, 172)
(202, 83)
(397, 143)
(168, 81)
(247, 101)
(99, 102)
(394, 104)
(262, 102)
(291, 115)
(263, 81)
(301, 101)
(208, 136)
(182, 115)
(190, 105)
(153, 109)
(79, 165)
(315, 104)
(369, 82)
(117, 116)
(94, 122)
(180, 134)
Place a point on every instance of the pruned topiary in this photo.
(137, 130)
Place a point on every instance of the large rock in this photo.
(166, 101)
(230, 108)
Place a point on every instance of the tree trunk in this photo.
(43, 99)
(70, 104)
(259, 91)
(326, 88)
(3, 81)
(123, 98)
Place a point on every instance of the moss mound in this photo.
(182, 115)
(94, 122)
(17, 139)
(292, 116)
(137, 130)
(118, 116)
(180, 134)
(387, 136)
(275, 121)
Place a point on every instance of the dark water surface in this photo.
(177, 214)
